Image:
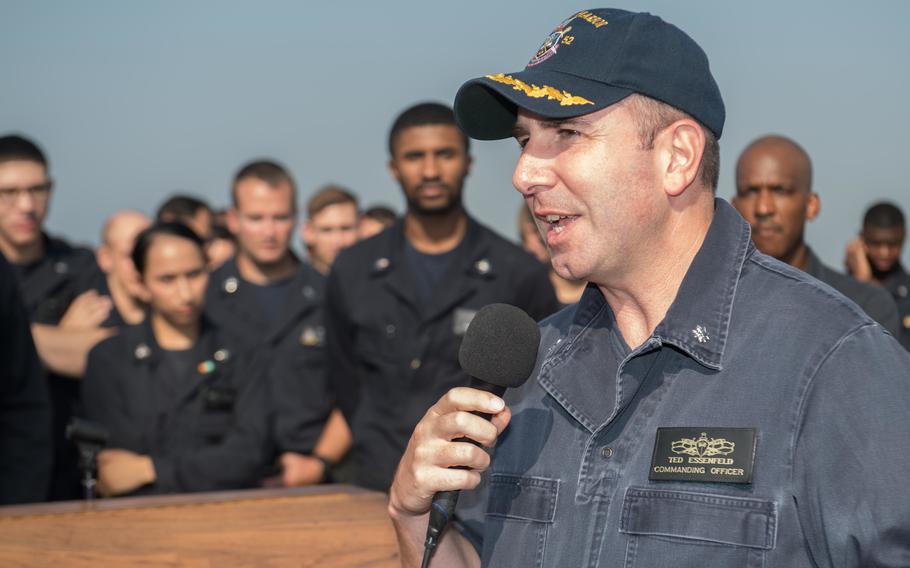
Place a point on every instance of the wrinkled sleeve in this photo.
(852, 454)
(300, 399)
(103, 400)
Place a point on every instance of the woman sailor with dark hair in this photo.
(184, 410)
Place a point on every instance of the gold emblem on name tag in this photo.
(703, 446)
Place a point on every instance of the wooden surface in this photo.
(322, 526)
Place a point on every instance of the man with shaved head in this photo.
(774, 194)
(121, 281)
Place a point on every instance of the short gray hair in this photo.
(653, 116)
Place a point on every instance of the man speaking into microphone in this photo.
(703, 404)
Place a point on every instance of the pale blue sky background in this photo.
(135, 100)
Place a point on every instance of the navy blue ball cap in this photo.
(594, 59)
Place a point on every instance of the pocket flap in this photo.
(700, 516)
(523, 498)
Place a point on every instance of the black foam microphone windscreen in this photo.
(500, 346)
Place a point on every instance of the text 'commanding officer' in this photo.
(703, 404)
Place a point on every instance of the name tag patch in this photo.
(711, 455)
(461, 319)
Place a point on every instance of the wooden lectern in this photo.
(320, 526)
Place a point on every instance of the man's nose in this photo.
(430, 168)
(880, 250)
(765, 205)
(532, 174)
(184, 290)
(25, 201)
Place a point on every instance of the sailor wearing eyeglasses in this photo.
(57, 282)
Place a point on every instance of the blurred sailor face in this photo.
(431, 163)
(883, 246)
(263, 219)
(773, 195)
(329, 231)
(175, 277)
(24, 198)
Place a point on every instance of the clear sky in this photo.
(136, 100)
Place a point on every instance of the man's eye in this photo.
(568, 133)
(522, 141)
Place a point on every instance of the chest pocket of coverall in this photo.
(519, 514)
(379, 345)
(217, 412)
(692, 530)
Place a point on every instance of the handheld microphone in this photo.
(81, 430)
(498, 351)
(90, 438)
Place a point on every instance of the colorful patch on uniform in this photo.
(206, 367)
(565, 98)
(711, 455)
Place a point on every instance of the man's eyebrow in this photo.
(554, 124)
(563, 122)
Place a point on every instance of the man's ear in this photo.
(681, 146)
(307, 233)
(103, 256)
(813, 206)
(144, 294)
(393, 170)
(230, 218)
